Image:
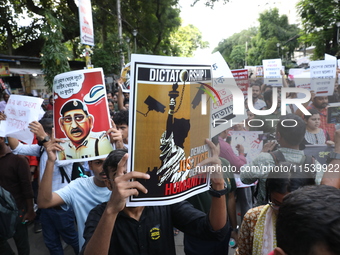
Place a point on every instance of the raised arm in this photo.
(120, 96)
(47, 198)
(121, 187)
(218, 209)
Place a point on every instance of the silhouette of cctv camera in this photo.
(198, 97)
(153, 104)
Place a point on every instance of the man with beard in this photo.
(320, 103)
(258, 103)
(77, 123)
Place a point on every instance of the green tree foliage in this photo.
(157, 23)
(107, 55)
(274, 38)
(154, 21)
(272, 25)
(54, 52)
(12, 33)
(185, 41)
(233, 49)
(319, 20)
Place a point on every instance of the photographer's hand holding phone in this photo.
(269, 146)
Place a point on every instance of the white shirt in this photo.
(259, 104)
(34, 150)
(82, 194)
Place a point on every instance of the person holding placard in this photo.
(113, 228)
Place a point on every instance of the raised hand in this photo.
(115, 136)
(122, 185)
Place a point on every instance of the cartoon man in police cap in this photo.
(77, 123)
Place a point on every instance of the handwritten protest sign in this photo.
(20, 111)
(302, 80)
(81, 115)
(272, 72)
(241, 78)
(323, 73)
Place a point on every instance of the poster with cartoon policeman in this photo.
(81, 116)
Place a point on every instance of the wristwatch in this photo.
(219, 193)
(332, 155)
(46, 139)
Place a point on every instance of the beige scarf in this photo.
(265, 235)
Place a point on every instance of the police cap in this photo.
(73, 104)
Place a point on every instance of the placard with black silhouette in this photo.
(167, 129)
(81, 116)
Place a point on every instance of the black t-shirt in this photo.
(153, 233)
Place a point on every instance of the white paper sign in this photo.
(272, 72)
(252, 148)
(85, 22)
(303, 81)
(20, 111)
(330, 57)
(249, 140)
(322, 75)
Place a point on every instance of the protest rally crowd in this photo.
(83, 203)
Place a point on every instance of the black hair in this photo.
(312, 112)
(256, 85)
(110, 101)
(48, 114)
(126, 101)
(309, 217)
(256, 82)
(112, 160)
(268, 96)
(47, 124)
(292, 128)
(288, 180)
(121, 118)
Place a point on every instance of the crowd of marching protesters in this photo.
(284, 212)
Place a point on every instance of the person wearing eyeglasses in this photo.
(257, 233)
(77, 125)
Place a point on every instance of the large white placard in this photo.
(20, 111)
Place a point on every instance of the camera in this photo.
(266, 137)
